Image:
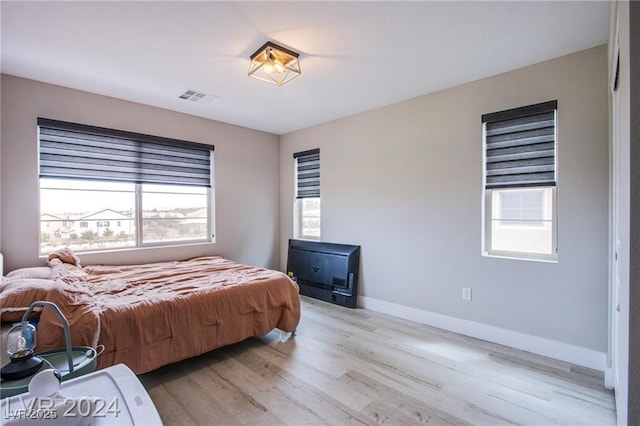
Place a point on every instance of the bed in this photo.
(150, 315)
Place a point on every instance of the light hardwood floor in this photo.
(349, 366)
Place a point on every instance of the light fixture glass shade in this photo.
(20, 340)
(19, 345)
(274, 64)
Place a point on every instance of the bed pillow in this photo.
(16, 295)
(41, 272)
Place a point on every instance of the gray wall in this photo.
(405, 183)
(246, 174)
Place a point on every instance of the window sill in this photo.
(525, 257)
(307, 238)
(137, 249)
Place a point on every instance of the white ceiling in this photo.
(355, 56)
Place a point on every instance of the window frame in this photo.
(488, 251)
(299, 221)
(487, 213)
(145, 143)
(138, 221)
(210, 222)
(298, 218)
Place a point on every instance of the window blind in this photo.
(520, 146)
(77, 151)
(308, 173)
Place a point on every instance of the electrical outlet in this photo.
(466, 293)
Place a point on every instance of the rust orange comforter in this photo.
(147, 316)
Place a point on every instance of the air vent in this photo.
(197, 97)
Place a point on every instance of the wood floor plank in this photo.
(353, 366)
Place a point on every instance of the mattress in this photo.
(150, 315)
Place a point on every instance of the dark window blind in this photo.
(521, 146)
(308, 173)
(77, 151)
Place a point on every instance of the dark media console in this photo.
(325, 271)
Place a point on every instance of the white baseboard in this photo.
(577, 355)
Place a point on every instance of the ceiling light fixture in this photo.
(274, 64)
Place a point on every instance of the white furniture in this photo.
(113, 396)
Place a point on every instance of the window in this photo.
(521, 207)
(520, 182)
(307, 204)
(104, 189)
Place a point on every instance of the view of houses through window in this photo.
(96, 215)
(310, 218)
